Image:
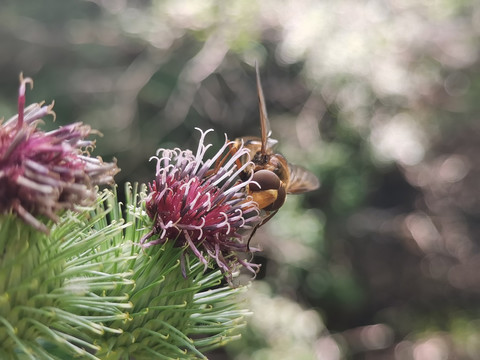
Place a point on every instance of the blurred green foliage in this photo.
(378, 98)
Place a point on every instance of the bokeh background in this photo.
(379, 98)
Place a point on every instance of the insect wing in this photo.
(301, 180)
(264, 123)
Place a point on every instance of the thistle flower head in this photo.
(202, 205)
(44, 172)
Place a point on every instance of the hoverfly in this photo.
(275, 176)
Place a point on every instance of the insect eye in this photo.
(266, 180)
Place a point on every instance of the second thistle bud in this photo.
(41, 172)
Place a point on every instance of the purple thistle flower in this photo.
(201, 207)
(42, 173)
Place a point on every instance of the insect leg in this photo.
(263, 222)
(219, 163)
